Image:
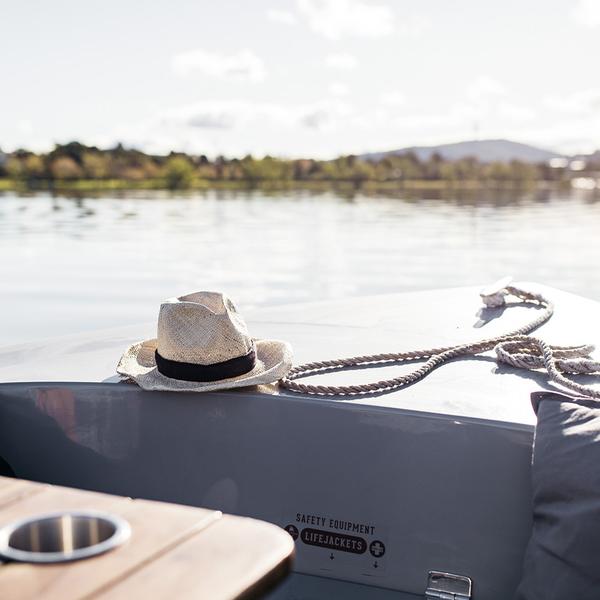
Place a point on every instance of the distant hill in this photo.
(593, 157)
(483, 150)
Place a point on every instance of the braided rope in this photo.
(515, 348)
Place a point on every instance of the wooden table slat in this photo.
(155, 527)
(224, 561)
(53, 498)
(174, 551)
(14, 490)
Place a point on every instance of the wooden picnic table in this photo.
(174, 551)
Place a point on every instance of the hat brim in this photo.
(273, 361)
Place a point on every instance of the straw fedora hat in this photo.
(203, 344)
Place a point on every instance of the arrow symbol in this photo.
(375, 564)
(331, 557)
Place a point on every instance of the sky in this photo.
(297, 78)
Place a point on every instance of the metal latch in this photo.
(447, 586)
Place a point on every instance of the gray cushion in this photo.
(562, 561)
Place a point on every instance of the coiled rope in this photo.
(515, 348)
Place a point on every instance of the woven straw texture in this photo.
(203, 328)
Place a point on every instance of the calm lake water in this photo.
(69, 265)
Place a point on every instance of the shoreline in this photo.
(104, 185)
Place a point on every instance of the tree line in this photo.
(77, 162)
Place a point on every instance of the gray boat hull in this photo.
(438, 493)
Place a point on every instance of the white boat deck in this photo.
(476, 387)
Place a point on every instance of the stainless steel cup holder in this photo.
(62, 536)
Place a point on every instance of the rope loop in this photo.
(516, 348)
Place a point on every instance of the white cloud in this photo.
(426, 121)
(393, 98)
(316, 119)
(237, 114)
(220, 115)
(212, 119)
(281, 16)
(515, 112)
(413, 26)
(242, 66)
(587, 13)
(338, 89)
(343, 61)
(582, 103)
(336, 19)
(25, 126)
(326, 114)
(333, 126)
(485, 88)
(492, 115)
(565, 134)
(374, 118)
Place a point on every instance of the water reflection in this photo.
(73, 264)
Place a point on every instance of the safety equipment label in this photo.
(337, 545)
